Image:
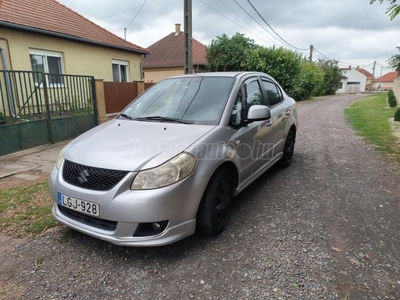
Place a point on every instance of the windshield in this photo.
(198, 100)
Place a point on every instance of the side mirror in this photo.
(258, 113)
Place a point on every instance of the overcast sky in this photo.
(350, 31)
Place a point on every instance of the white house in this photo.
(353, 81)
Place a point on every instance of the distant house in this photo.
(354, 80)
(385, 82)
(369, 76)
(168, 57)
(49, 37)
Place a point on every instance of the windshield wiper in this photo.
(162, 119)
(126, 116)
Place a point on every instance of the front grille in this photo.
(91, 178)
(88, 220)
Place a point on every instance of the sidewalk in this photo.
(29, 165)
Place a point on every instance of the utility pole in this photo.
(373, 70)
(311, 52)
(188, 36)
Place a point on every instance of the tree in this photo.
(332, 76)
(393, 10)
(314, 79)
(394, 61)
(282, 64)
(227, 54)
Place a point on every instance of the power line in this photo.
(122, 12)
(235, 23)
(322, 54)
(272, 28)
(144, 2)
(257, 21)
(238, 16)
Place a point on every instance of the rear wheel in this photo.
(288, 150)
(213, 213)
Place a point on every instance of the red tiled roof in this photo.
(362, 71)
(170, 52)
(365, 72)
(389, 77)
(53, 18)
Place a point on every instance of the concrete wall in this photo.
(78, 58)
(396, 90)
(383, 86)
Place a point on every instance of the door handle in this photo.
(288, 113)
(269, 123)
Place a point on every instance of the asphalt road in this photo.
(327, 227)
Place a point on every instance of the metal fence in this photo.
(28, 95)
(39, 108)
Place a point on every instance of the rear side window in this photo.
(273, 93)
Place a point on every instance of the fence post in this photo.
(46, 101)
(140, 87)
(94, 94)
(101, 101)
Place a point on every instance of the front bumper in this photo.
(126, 208)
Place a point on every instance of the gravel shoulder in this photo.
(327, 227)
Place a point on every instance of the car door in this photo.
(250, 138)
(279, 116)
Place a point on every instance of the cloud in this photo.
(351, 31)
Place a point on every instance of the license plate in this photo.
(83, 206)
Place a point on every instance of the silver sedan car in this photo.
(174, 158)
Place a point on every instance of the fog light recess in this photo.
(148, 229)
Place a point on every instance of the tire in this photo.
(215, 205)
(288, 150)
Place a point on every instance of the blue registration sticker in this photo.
(59, 200)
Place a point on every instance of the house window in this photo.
(120, 70)
(47, 62)
(340, 85)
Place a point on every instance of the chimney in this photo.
(358, 67)
(177, 29)
(350, 67)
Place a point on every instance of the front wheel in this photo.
(288, 150)
(213, 213)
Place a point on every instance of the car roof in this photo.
(222, 74)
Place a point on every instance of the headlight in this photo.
(174, 170)
(60, 159)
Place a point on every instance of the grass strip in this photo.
(26, 209)
(369, 116)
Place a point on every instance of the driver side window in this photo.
(253, 94)
(236, 116)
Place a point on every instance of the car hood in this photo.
(132, 145)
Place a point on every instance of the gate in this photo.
(118, 95)
(39, 108)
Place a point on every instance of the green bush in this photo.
(390, 93)
(282, 64)
(392, 101)
(397, 115)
